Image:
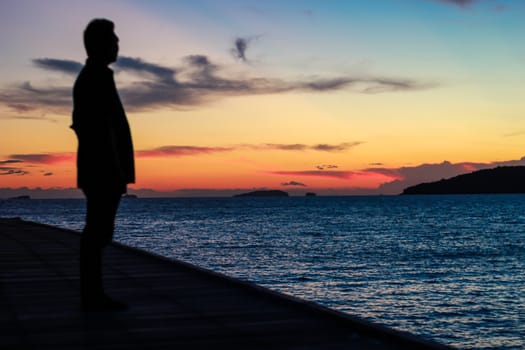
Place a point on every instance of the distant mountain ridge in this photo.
(505, 179)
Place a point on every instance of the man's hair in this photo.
(97, 35)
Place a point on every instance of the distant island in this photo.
(506, 179)
(267, 193)
(310, 194)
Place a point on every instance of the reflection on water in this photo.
(449, 268)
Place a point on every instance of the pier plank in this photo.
(173, 304)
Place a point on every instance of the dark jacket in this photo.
(105, 149)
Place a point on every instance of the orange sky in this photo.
(320, 98)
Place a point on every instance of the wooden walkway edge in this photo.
(174, 305)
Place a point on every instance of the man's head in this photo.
(100, 40)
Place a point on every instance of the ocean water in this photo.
(449, 268)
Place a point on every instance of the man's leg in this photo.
(98, 233)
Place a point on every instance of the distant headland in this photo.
(506, 179)
(266, 193)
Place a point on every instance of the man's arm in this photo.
(92, 122)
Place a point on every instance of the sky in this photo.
(334, 97)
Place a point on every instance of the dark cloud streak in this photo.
(43, 158)
(25, 98)
(6, 167)
(336, 148)
(293, 183)
(460, 3)
(196, 82)
(11, 161)
(178, 151)
(174, 151)
(183, 150)
(317, 173)
(323, 147)
(13, 171)
(64, 66)
(161, 73)
(326, 166)
(239, 48)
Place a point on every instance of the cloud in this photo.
(7, 169)
(175, 151)
(202, 72)
(123, 63)
(336, 148)
(64, 66)
(200, 61)
(293, 183)
(11, 161)
(468, 3)
(181, 150)
(326, 166)
(328, 84)
(137, 65)
(241, 44)
(12, 171)
(48, 174)
(25, 98)
(517, 162)
(195, 82)
(317, 173)
(21, 107)
(44, 158)
(397, 179)
(341, 147)
(239, 48)
(460, 3)
(410, 176)
(281, 147)
(380, 85)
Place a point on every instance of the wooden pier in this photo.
(173, 305)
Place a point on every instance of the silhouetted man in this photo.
(104, 160)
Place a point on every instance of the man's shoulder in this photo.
(89, 76)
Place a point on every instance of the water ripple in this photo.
(450, 268)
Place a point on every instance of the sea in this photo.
(447, 268)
